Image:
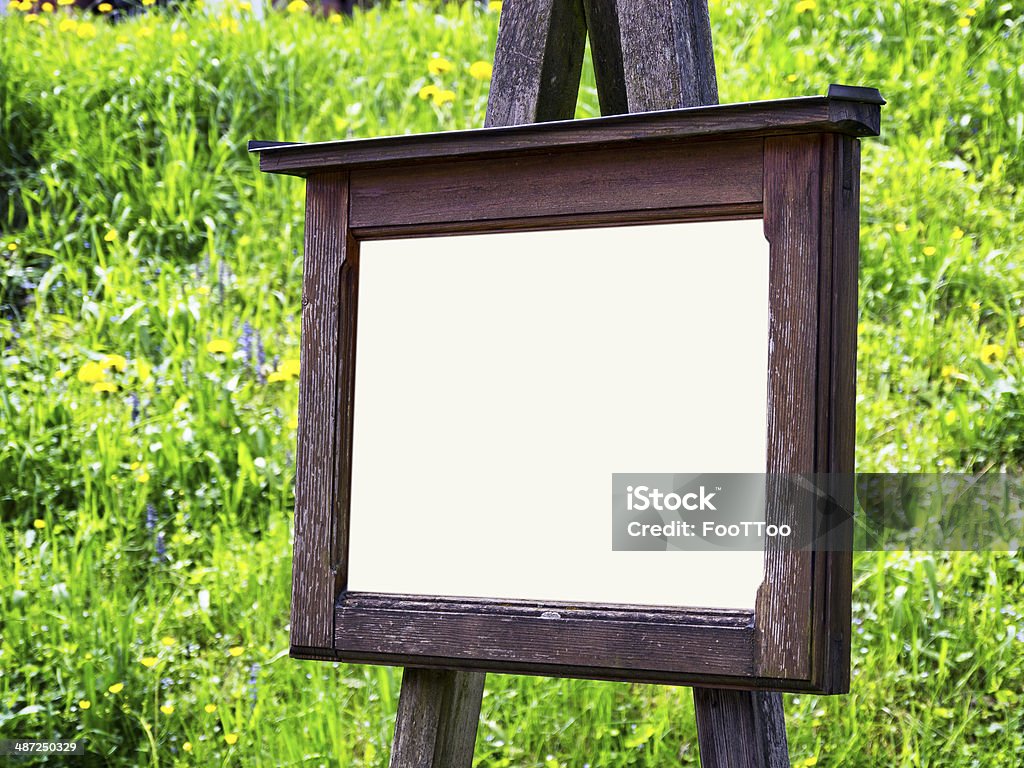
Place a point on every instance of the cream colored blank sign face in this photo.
(502, 378)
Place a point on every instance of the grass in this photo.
(152, 521)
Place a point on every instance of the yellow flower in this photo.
(964, 23)
(33, 18)
(219, 346)
(970, 12)
(494, 5)
(949, 371)
(244, 6)
(975, 305)
(950, 417)
(443, 97)
(439, 65)
(806, 5)
(236, 650)
(104, 7)
(791, 78)
(958, 234)
(293, 422)
(179, 38)
(187, 746)
(290, 367)
(48, 8)
(929, 250)
(86, 30)
(334, 18)
(65, 2)
(90, 373)
(298, 6)
(427, 91)
(167, 708)
(481, 70)
(116, 688)
(1020, 323)
(901, 226)
(210, 708)
(149, 661)
(149, 2)
(84, 704)
(167, 640)
(104, 386)
(143, 370)
(114, 361)
(142, 477)
(230, 738)
(67, 25)
(12, 246)
(134, 465)
(39, 524)
(145, 31)
(276, 376)
(25, 5)
(990, 353)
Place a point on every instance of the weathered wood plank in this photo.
(646, 178)
(438, 711)
(814, 114)
(740, 729)
(315, 582)
(537, 63)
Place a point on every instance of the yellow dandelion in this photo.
(298, 6)
(145, 31)
(230, 738)
(179, 38)
(439, 65)
(203, 290)
(805, 5)
(90, 373)
(39, 524)
(167, 640)
(134, 465)
(990, 353)
(111, 236)
(12, 246)
(84, 704)
(210, 708)
(104, 7)
(428, 91)
(244, 6)
(67, 25)
(334, 18)
(276, 376)
(971, 12)
(149, 2)
(104, 386)
(167, 709)
(950, 417)
(293, 422)
(187, 746)
(791, 78)
(219, 346)
(443, 97)
(975, 305)
(290, 367)
(1020, 322)
(929, 250)
(25, 5)
(116, 688)
(963, 23)
(86, 30)
(901, 226)
(142, 477)
(958, 234)
(143, 370)
(495, 6)
(949, 371)
(149, 661)
(48, 8)
(65, 2)
(236, 650)
(114, 361)
(481, 70)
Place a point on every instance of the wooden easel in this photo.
(648, 55)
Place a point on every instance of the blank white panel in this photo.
(502, 378)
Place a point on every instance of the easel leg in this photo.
(740, 729)
(438, 712)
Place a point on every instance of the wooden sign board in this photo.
(494, 321)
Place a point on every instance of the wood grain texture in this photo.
(643, 179)
(315, 582)
(436, 725)
(814, 114)
(537, 62)
(740, 729)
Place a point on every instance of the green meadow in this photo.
(149, 323)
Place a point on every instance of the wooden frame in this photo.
(793, 162)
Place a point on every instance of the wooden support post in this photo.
(648, 55)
